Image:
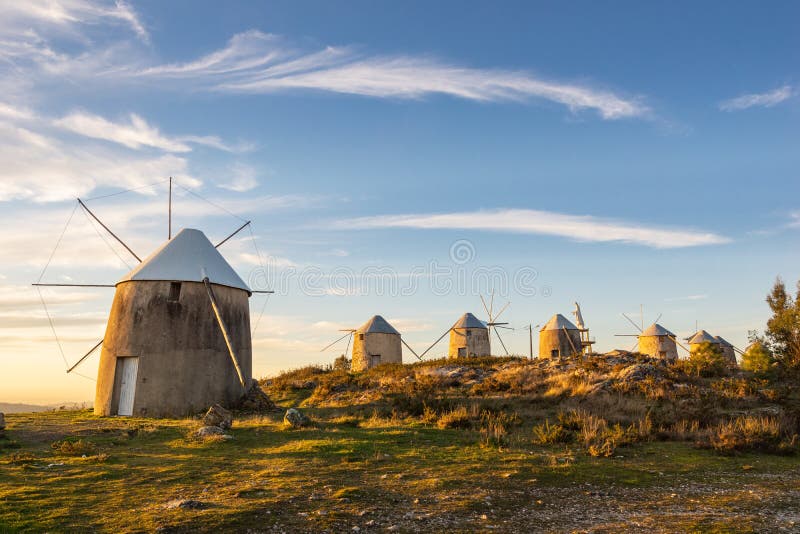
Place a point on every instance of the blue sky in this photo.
(617, 156)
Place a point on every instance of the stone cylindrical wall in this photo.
(656, 345)
(184, 363)
(370, 344)
(474, 341)
(559, 341)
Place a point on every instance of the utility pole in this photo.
(530, 340)
(169, 230)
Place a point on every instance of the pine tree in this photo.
(783, 328)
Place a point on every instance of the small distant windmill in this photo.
(639, 327)
(655, 340)
(375, 342)
(470, 336)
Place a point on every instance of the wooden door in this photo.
(127, 385)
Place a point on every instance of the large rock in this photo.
(295, 418)
(218, 416)
(2, 425)
(255, 400)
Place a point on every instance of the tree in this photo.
(707, 360)
(757, 358)
(783, 328)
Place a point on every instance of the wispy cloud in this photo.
(253, 62)
(578, 227)
(136, 133)
(794, 219)
(766, 100)
(66, 14)
(44, 163)
(257, 63)
(242, 178)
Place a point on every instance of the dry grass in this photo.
(754, 433)
(73, 447)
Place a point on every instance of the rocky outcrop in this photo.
(219, 417)
(255, 400)
(294, 418)
(2, 425)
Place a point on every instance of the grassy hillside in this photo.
(490, 444)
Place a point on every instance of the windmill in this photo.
(470, 336)
(375, 342)
(655, 340)
(178, 336)
(639, 327)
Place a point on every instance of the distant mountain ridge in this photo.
(18, 407)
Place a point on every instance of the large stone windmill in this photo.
(178, 334)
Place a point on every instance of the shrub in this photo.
(757, 359)
(494, 427)
(342, 363)
(69, 447)
(547, 434)
(707, 360)
(456, 418)
(753, 433)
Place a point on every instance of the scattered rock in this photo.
(208, 431)
(219, 417)
(638, 372)
(255, 400)
(295, 418)
(186, 504)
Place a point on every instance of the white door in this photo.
(127, 386)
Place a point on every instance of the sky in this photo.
(400, 159)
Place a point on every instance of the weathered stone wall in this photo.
(474, 340)
(655, 345)
(729, 354)
(386, 345)
(184, 364)
(550, 340)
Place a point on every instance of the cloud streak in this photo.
(253, 62)
(765, 100)
(135, 134)
(578, 227)
(257, 63)
(67, 14)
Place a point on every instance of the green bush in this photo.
(757, 359)
(707, 360)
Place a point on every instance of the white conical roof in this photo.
(187, 257)
(469, 321)
(702, 336)
(377, 325)
(656, 329)
(559, 322)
